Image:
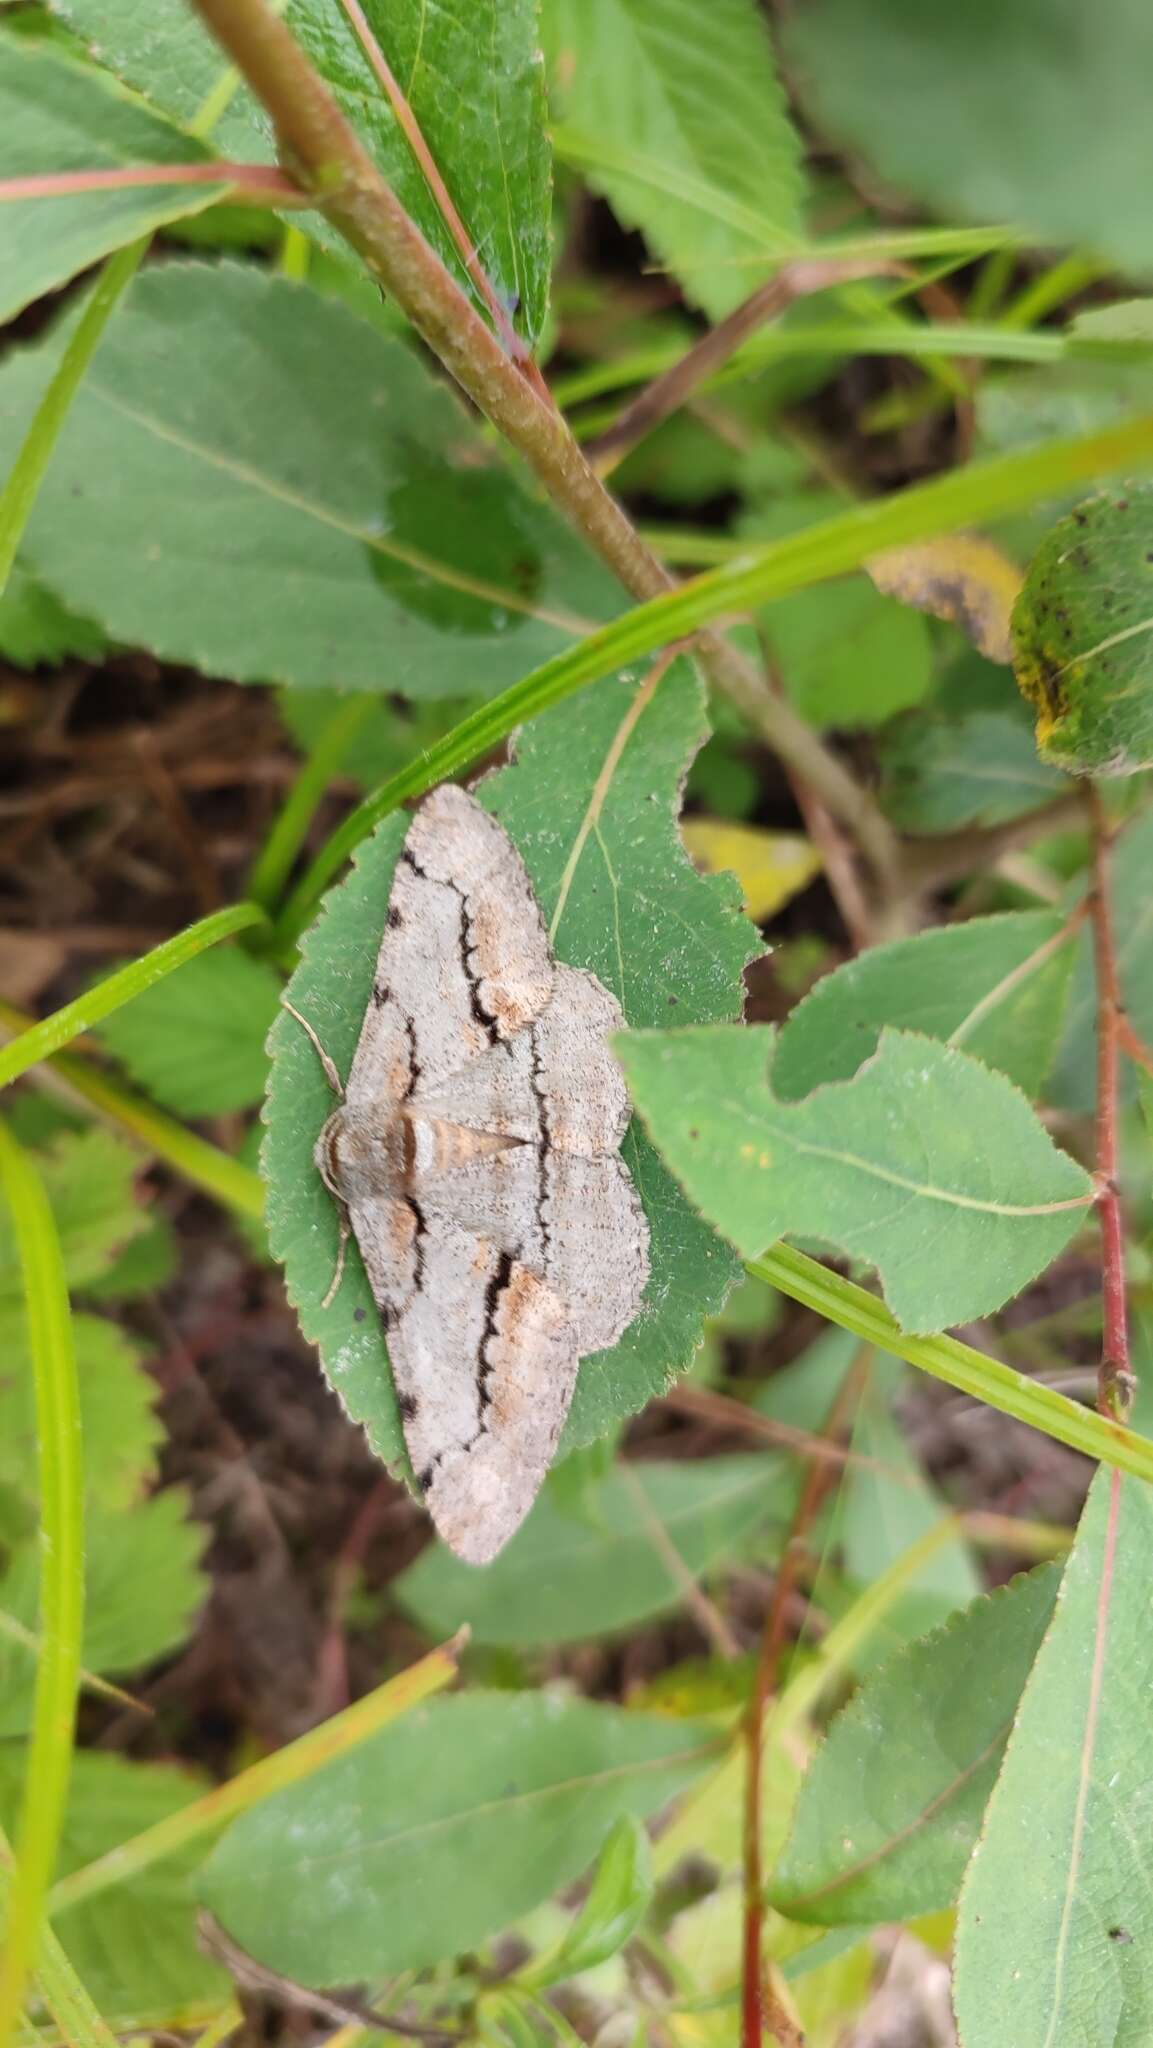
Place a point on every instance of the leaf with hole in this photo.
(892, 1802)
(591, 803)
(926, 1164)
(330, 519)
(487, 1803)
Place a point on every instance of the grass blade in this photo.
(61, 1476)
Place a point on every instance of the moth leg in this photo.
(325, 1058)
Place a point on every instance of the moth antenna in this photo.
(326, 1060)
(338, 1276)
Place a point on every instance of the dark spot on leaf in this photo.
(358, 1314)
(1120, 1934)
(694, 1134)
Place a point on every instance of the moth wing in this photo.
(485, 1359)
(459, 845)
(587, 1106)
(419, 1024)
(596, 1245)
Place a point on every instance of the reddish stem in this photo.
(411, 129)
(819, 1477)
(255, 181)
(1115, 1380)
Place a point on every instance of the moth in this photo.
(475, 1154)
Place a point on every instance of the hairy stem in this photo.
(323, 151)
(1115, 1378)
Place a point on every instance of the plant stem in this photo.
(675, 387)
(820, 1475)
(1115, 1378)
(79, 1015)
(322, 149)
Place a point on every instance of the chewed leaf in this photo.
(1083, 636)
(996, 986)
(926, 1164)
(591, 805)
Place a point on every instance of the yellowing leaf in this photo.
(771, 867)
(960, 577)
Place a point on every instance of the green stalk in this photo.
(217, 1172)
(288, 1766)
(273, 863)
(840, 1301)
(80, 2023)
(120, 988)
(30, 467)
(833, 547)
(61, 1482)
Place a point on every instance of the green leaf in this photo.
(195, 1040)
(332, 518)
(89, 1177)
(119, 1426)
(57, 116)
(1066, 1951)
(1081, 632)
(565, 1580)
(1072, 1085)
(36, 628)
(887, 1505)
(396, 730)
(991, 112)
(891, 1804)
(146, 1264)
(636, 912)
(847, 656)
(988, 985)
(617, 1902)
(472, 78)
(134, 1947)
(927, 1164)
(485, 1803)
(976, 769)
(143, 1589)
(684, 129)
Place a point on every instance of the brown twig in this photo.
(323, 150)
(711, 1621)
(667, 393)
(469, 254)
(819, 1476)
(1115, 1379)
(932, 861)
(249, 1975)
